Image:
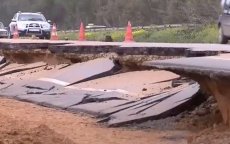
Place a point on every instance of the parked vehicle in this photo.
(224, 22)
(29, 24)
(3, 31)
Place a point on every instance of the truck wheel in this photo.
(47, 37)
(222, 38)
(41, 37)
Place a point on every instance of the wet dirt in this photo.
(27, 123)
(219, 134)
(38, 135)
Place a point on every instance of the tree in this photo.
(68, 14)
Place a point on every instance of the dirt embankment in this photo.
(38, 135)
(26, 123)
(217, 135)
(207, 123)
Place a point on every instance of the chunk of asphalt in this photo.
(157, 108)
(142, 103)
(13, 88)
(202, 65)
(102, 97)
(71, 99)
(17, 88)
(62, 101)
(2, 60)
(3, 65)
(97, 102)
(40, 87)
(82, 72)
(20, 68)
(134, 105)
(97, 107)
(5, 84)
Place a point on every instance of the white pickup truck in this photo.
(30, 24)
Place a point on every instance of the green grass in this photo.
(202, 34)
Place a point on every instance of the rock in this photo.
(202, 112)
(48, 68)
(108, 38)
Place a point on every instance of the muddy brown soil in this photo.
(26, 123)
(38, 135)
(207, 121)
(219, 134)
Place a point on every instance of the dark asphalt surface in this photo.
(208, 65)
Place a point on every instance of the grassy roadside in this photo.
(202, 34)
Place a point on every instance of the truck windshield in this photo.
(31, 17)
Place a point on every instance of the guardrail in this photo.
(134, 28)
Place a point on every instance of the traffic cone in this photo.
(54, 35)
(16, 34)
(82, 33)
(129, 33)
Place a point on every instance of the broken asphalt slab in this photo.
(148, 99)
(2, 60)
(82, 72)
(59, 99)
(21, 67)
(156, 107)
(69, 75)
(97, 107)
(16, 88)
(75, 100)
(95, 104)
(209, 66)
(52, 95)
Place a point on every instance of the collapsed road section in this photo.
(80, 75)
(212, 73)
(84, 87)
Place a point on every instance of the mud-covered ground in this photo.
(217, 135)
